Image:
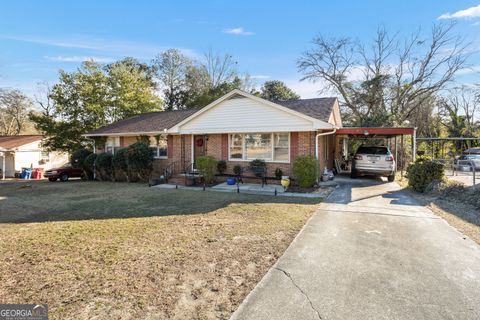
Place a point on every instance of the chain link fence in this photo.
(465, 171)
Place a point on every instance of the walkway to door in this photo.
(371, 252)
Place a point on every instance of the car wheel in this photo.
(353, 174)
(52, 179)
(64, 177)
(391, 178)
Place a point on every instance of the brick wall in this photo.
(301, 143)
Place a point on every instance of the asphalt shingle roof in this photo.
(318, 108)
(11, 142)
(147, 122)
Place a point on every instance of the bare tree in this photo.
(459, 111)
(14, 109)
(390, 79)
(43, 99)
(220, 68)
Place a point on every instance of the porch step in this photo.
(177, 179)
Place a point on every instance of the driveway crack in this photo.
(289, 276)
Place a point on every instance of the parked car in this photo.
(465, 161)
(373, 160)
(63, 173)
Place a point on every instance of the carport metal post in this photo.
(401, 153)
(396, 154)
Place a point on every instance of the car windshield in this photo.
(373, 150)
(67, 165)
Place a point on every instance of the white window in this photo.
(258, 146)
(281, 143)
(45, 156)
(159, 147)
(112, 144)
(236, 146)
(267, 146)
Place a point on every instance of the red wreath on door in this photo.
(199, 142)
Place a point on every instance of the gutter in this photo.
(320, 135)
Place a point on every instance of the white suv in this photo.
(374, 160)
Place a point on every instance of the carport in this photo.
(396, 138)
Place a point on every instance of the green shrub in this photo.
(278, 173)
(78, 157)
(422, 173)
(237, 170)
(140, 161)
(206, 166)
(104, 166)
(120, 163)
(221, 166)
(89, 166)
(305, 171)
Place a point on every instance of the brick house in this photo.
(237, 128)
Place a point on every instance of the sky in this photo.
(266, 38)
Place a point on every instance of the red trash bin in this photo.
(37, 173)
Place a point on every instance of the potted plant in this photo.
(221, 166)
(258, 167)
(285, 182)
(278, 173)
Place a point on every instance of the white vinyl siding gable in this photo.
(245, 115)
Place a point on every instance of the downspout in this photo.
(320, 135)
(414, 138)
(316, 141)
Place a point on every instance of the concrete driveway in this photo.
(371, 252)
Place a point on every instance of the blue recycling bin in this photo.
(26, 173)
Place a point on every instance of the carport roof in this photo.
(379, 131)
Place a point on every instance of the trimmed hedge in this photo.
(206, 166)
(423, 172)
(78, 157)
(104, 166)
(139, 161)
(120, 164)
(89, 165)
(305, 171)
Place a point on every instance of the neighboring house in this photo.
(25, 151)
(237, 128)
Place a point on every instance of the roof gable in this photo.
(239, 111)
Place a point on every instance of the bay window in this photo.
(159, 147)
(266, 146)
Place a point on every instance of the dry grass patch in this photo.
(148, 253)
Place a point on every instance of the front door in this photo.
(200, 146)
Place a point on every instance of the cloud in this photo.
(260, 77)
(307, 89)
(469, 70)
(472, 12)
(113, 47)
(238, 31)
(476, 24)
(79, 58)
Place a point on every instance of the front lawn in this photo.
(116, 250)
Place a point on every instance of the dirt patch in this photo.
(459, 215)
(137, 263)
